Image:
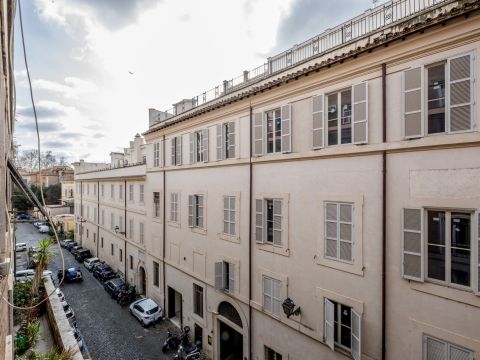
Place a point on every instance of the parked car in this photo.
(65, 242)
(61, 297)
(88, 263)
(82, 254)
(71, 275)
(104, 272)
(44, 229)
(22, 216)
(70, 245)
(21, 247)
(69, 313)
(24, 275)
(39, 223)
(146, 311)
(77, 336)
(114, 287)
(75, 248)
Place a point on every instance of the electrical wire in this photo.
(40, 176)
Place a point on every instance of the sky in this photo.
(97, 66)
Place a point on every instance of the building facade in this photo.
(342, 191)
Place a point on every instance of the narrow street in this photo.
(109, 331)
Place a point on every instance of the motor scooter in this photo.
(173, 341)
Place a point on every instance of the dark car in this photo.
(114, 287)
(70, 245)
(76, 249)
(83, 254)
(22, 217)
(71, 275)
(104, 272)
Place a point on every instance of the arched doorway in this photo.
(230, 328)
(142, 280)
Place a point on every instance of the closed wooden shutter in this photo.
(277, 222)
(360, 113)
(178, 150)
(199, 216)
(220, 143)
(173, 150)
(329, 324)
(317, 122)
(413, 103)
(231, 277)
(435, 349)
(331, 230)
(356, 341)
(286, 116)
(259, 220)
(460, 93)
(205, 144)
(258, 134)
(191, 147)
(191, 206)
(412, 244)
(219, 275)
(231, 140)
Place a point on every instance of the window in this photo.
(156, 274)
(131, 262)
(88, 189)
(339, 117)
(103, 217)
(271, 354)
(103, 190)
(88, 212)
(142, 232)
(94, 237)
(142, 193)
(225, 276)
(174, 207)
(198, 300)
(111, 249)
(112, 225)
(87, 233)
(156, 204)
(130, 229)
(271, 295)
(176, 150)
(226, 140)
(199, 146)
(95, 215)
(268, 221)
(94, 189)
(229, 215)
(274, 131)
(120, 223)
(130, 192)
(156, 154)
(195, 211)
(112, 191)
(120, 253)
(339, 231)
(101, 242)
(449, 247)
(342, 328)
(436, 349)
(438, 97)
(120, 191)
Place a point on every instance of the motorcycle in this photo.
(188, 352)
(173, 341)
(126, 297)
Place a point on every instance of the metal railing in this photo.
(113, 167)
(372, 20)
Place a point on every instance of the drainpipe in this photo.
(125, 228)
(250, 169)
(81, 213)
(384, 206)
(98, 215)
(164, 224)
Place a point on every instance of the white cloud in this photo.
(72, 88)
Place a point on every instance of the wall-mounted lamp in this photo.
(117, 231)
(80, 220)
(289, 308)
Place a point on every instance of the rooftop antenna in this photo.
(375, 3)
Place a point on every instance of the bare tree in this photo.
(28, 160)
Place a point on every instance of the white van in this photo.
(21, 247)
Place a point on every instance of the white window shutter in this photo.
(259, 220)
(191, 147)
(190, 210)
(205, 144)
(258, 134)
(329, 324)
(219, 146)
(286, 116)
(231, 277)
(178, 150)
(356, 335)
(412, 244)
(317, 122)
(231, 139)
(460, 93)
(477, 255)
(219, 275)
(435, 349)
(360, 113)
(413, 103)
(277, 222)
(173, 150)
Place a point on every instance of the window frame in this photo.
(141, 195)
(156, 273)
(173, 208)
(265, 125)
(338, 94)
(339, 223)
(156, 204)
(271, 296)
(447, 344)
(227, 212)
(156, 154)
(198, 293)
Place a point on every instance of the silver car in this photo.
(90, 262)
(146, 311)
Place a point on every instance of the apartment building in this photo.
(326, 206)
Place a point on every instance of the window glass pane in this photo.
(270, 132)
(436, 99)
(436, 227)
(461, 230)
(346, 117)
(332, 119)
(269, 204)
(460, 249)
(436, 262)
(460, 267)
(278, 131)
(345, 332)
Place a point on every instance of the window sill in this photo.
(280, 250)
(465, 296)
(351, 268)
(230, 238)
(173, 224)
(198, 230)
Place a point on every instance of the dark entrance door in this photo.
(231, 343)
(143, 280)
(175, 305)
(198, 335)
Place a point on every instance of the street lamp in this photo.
(117, 231)
(289, 308)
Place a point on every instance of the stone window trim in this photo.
(235, 292)
(282, 249)
(357, 200)
(179, 208)
(232, 238)
(199, 317)
(200, 230)
(283, 279)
